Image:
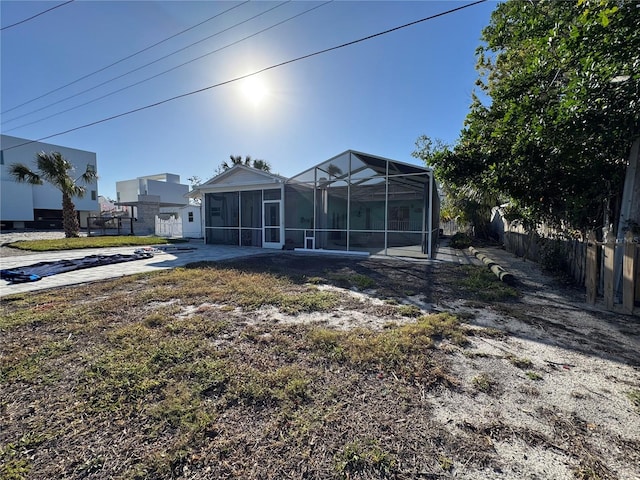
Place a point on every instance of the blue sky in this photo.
(376, 96)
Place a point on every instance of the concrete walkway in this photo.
(174, 256)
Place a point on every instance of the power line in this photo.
(36, 15)
(121, 60)
(160, 73)
(257, 72)
(132, 71)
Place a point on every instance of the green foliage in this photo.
(484, 383)
(634, 397)
(522, 363)
(409, 311)
(362, 458)
(361, 282)
(465, 201)
(248, 161)
(460, 241)
(481, 283)
(557, 110)
(400, 349)
(533, 376)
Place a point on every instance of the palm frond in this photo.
(23, 174)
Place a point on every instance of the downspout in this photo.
(386, 208)
(349, 202)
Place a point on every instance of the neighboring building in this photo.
(351, 202)
(109, 208)
(150, 196)
(40, 206)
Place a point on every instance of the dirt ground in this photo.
(562, 412)
(543, 389)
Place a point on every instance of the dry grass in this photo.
(180, 374)
(126, 379)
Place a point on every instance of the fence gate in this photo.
(170, 228)
(620, 292)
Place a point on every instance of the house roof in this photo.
(363, 169)
(246, 175)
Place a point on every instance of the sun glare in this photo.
(254, 91)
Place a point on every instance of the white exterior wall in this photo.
(128, 190)
(18, 199)
(167, 186)
(191, 229)
(168, 192)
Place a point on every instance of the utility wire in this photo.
(161, 73)
(121, 60)
(36, 15)
(257, 72)
(135, 70)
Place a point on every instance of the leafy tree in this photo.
(557, 111)
(469, 202)
(53, 168)
(195, 181)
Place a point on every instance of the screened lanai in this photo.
(360, 202)
(352, 202)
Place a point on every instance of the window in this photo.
(272, 194)
(190, 219)
(91, 168)
(94, 195)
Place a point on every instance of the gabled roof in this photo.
(239, 175)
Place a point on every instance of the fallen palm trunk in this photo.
(498, 271)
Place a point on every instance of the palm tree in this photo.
(53, 168)
(237, 160)
(262, 165)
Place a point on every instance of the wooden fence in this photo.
(621, 292)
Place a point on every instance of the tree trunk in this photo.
(69, 217)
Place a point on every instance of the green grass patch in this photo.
(483, 383)
(482, 284)
(634, 396)
(364, 458)
(409, 311)
(14, 459)
(350, 280)
(87, 242)
(402, 350)
(523, 363)
(249, 291)
(533, 376)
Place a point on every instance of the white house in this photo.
(353, 202)
(40, 206)
(151, 196)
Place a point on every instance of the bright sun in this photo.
(254, 90)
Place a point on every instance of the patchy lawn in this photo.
(294, 366)
(46, 245)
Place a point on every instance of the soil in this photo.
(565, 415)
(542, 389)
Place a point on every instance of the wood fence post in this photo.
(637, 274)
(609, 250)
(591, 269)
(628, 274)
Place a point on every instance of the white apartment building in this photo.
(40, 206)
